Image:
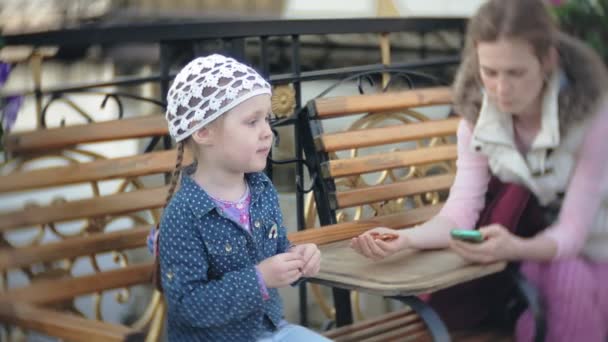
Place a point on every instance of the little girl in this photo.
(222, 246)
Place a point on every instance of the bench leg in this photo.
(344, 314)
(439, 332)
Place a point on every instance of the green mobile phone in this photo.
(467, 235)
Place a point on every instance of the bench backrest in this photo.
(72, 219)
(372, 170)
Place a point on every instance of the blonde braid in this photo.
(173, 185)
(176, 172)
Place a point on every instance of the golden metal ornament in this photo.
(283, 100)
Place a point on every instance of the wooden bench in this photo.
(40, 305)
(377, 174)
(46, 263)
(45, 304)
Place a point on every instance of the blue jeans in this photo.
(292, 333)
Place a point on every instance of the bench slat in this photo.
(410, 322)
(345, 105)
(383, 192)
(139, 165)
(388, 160)
(101, 206)
(392, 323)
(414, 332)
(74, 247)
(347, 230)
(386, 135)
(64, 325)
(58, 138)
(58, 290)
(346, 330)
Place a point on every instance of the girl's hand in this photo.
(499, 245)
(311, 255)
(373, 245)
(281, 270)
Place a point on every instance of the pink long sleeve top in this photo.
(581, 202)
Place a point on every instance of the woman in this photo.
(534, 110)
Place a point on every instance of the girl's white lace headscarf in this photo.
(206, 88)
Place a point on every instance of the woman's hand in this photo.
(499, 245)
(371, 244)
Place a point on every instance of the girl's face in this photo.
(243, 138)
(512, 74)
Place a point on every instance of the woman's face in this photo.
(512, 75)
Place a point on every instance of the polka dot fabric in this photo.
(206, 88)
(208, 264)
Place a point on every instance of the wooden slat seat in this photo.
(415, 332)
(390, 327)
(63, 137)
(64, 325)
